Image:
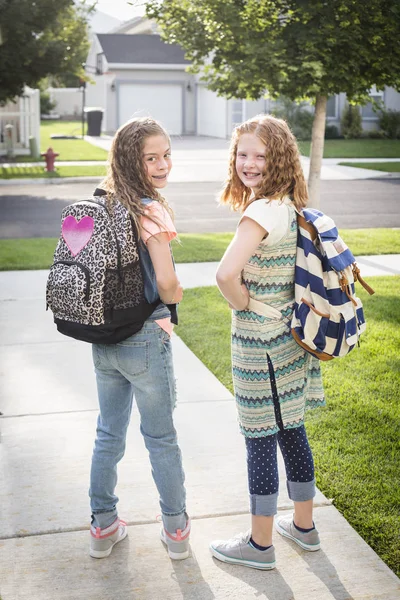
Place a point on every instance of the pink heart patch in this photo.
(76, 234)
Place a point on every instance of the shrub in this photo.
(46, 104)
(332, 132)
(299, 119)
(351, 122)
(389, 122)
(374, 134)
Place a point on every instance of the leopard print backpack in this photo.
(95, 286)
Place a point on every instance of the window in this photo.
(99, 64)
(237, 112)
(331, 107)
(367, 111)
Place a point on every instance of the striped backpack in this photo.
(328, 317)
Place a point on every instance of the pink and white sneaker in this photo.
(102, 541)
(178, 542)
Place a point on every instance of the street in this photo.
(34, 211)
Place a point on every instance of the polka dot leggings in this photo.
(262, 463)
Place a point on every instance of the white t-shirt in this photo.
(272, 215)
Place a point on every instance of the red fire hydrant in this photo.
(50, 156)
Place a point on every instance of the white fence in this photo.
(24, 116)
(68, 101)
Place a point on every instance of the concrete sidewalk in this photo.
(49, 404)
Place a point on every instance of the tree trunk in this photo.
(317, 150)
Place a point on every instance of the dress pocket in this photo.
(264, 310)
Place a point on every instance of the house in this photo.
(388, 97)
(100, 22)
(135, 73)
(139, 75)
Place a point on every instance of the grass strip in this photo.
(355, 439)
(361, 148)
(201, 247)
(366, 242)
(38, 172)
(26, 254)
(68, 149)
(210, 247)
(73, 149)
(37, 253)
(387, 167)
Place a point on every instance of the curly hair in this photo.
(126, 178)
(283, 174)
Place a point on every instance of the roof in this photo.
(140, 48)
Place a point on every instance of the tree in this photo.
(38, 39)
(302, 49)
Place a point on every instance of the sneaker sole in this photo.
(308, 547)
(105, 553)
(241, 561)
(173, 555)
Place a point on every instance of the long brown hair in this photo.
(283, 174)
(126, 178)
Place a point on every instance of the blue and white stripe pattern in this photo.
(328, 318)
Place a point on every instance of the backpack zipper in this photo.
(84, 269)
(93, 201)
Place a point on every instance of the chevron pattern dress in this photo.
(269, 277)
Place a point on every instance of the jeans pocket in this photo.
(164, 335)
(96, 355)
(133, 357)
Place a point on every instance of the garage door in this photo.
(163, 102)
(211, 113)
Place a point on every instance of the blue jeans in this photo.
(140, 366)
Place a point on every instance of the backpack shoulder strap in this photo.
(304, 224)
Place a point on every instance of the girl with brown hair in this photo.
(275, 380)
(141, 365)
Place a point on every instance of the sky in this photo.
(121, 9)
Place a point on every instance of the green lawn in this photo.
(204, 247)
(201, 247)
(39, 172)
(37, 253)
(26, 254)
(67, 149)
(355, 439)
(365, 242)
(388, 167)
(362, 148)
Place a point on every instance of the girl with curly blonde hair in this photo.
(274, 379)
(141, 366)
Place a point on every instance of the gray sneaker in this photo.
(308, 541)
(238, 551)
(178, 542)
(102, 541)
